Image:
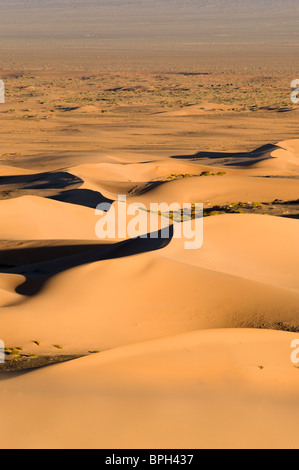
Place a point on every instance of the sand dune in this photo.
(134, 172)
(8, 284)
(248, 177)
(253, 287)
(198, 109)
(180, 331)
(282, 159)
(281, 156)
(31, 217)
(6, 170)
(221, 190)
(291, 146)
(131, 340)
(79, 109)
(177, 392)
(256, 247)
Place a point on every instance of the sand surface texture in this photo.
(178, 344)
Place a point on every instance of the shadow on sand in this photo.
(38, 264)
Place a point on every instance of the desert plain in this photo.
(138, 342)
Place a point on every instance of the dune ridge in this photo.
(186, 388)
(185, 339)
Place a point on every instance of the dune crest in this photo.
(187, 388)
(180, 334)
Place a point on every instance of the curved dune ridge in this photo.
(198, 109)
(243, 180)
(169, 290)
(8, 285)
(176, 392)
(187, 355)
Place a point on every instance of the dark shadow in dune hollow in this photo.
(231, 159)
(82, 197)
(59, 186)
(48, 180)
(38, 264)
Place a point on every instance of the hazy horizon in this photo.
(122, 22)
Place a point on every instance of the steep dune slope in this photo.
(169, 290)
(185, 356)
